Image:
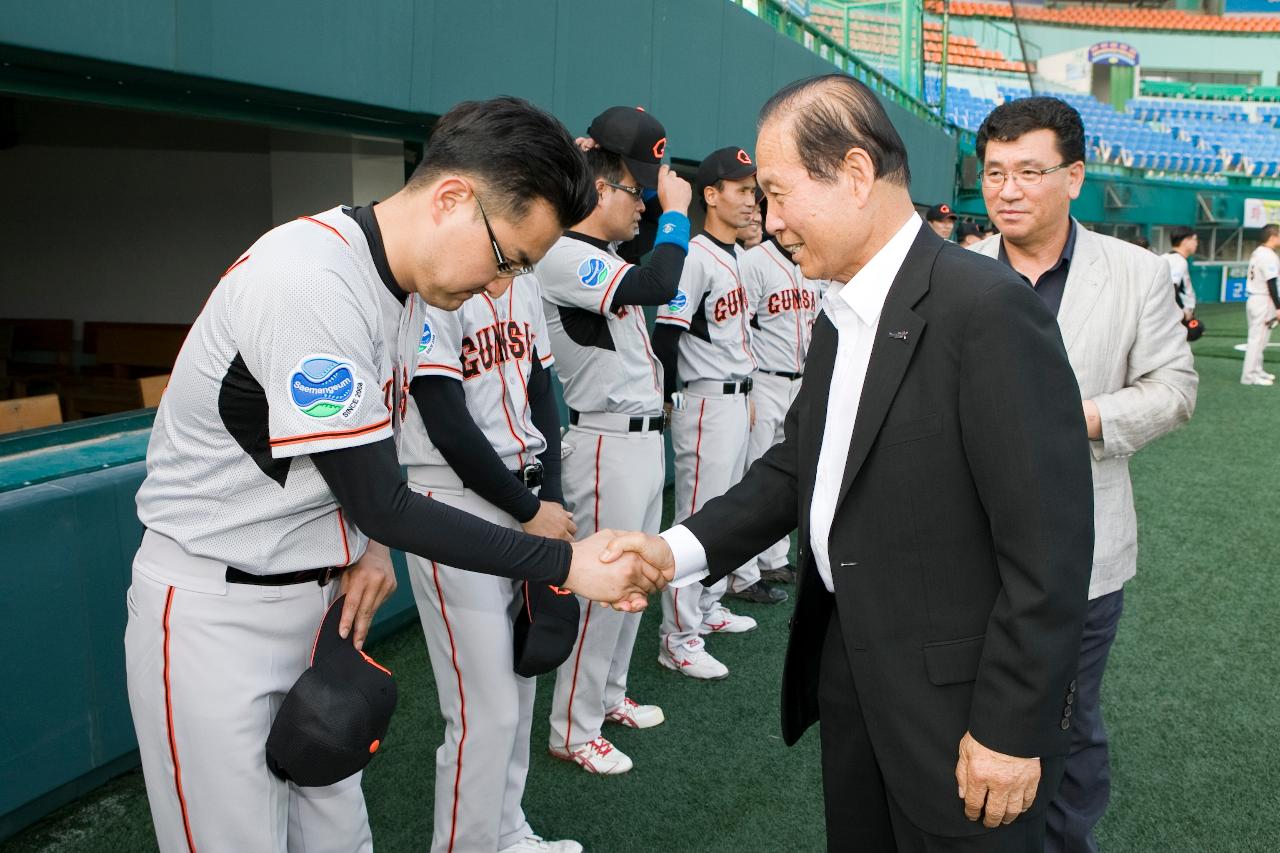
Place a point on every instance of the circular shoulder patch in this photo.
(323, 386)
(593, 272)
(428, 340)
(678, 302)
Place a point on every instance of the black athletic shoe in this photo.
(761, 593)
(785, 574)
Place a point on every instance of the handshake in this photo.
(620, 570)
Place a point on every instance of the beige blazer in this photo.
(1128, 347)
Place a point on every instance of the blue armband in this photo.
(673, 227)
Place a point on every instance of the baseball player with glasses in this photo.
(704, 343)
(483, 436)
(272, 471)
(614, 464)
(783, 305)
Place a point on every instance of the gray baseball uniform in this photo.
(710, 431)
(300, 349)
(614, 465)
(782, 306)
(481, 767)
(1259, 310)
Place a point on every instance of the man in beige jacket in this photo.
(1124, 339)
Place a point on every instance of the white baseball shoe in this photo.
(694, 662)
(1270, 376)
(597, 756)
(636, 716)
(1258, 380)
(721, 620)
(538, 844)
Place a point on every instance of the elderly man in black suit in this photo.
(936, 464)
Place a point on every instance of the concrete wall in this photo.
(124, 216)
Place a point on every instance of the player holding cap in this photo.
(614, 464)
(484, 436)
(273, 461)
(704, 343)
(783, 306)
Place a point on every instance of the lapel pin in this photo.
(899, 336)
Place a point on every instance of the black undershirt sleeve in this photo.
(442, 404)
(653, 283)
(367, 484)
(546, 417)
(666, 346)
(1275, 293)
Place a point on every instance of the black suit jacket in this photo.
(962, 541)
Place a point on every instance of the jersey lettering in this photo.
(494, 345)
(791, 300)
(731, 304)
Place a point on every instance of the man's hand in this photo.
(367, 584)
(1187, 314)
(1004, 784)
(654, 550)
(585, 143)
(552, 521)
(623, 582)
(674, 192)
(1093, 420)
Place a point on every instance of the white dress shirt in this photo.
(854, 309)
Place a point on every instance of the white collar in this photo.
(866, 292)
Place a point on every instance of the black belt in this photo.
(320, 576)
(742, 387)
(657, 423)
(530, 475)
(783, 374)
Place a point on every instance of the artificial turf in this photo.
(1190, 692)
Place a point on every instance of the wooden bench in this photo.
(29, 413)
(126, 355)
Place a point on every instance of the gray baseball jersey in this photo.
(782, 307)
(711, 305)
(300, 349)
(486, 344)
(604, 358)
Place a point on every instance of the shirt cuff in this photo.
(690, 556)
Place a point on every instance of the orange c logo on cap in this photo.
(660, 148)
(373, 747)
(944, 208)
(744, 158)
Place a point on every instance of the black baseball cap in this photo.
(939, 212)
(544, 630)
(638, 137)
(334, 718)
(968, 229)
(725, 164)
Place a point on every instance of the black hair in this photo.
(1141, 242)
(702, 196)
(833, 113)
(518, 152)
(605, 165)
(1014, 119)
(1180, 233)
(1269, 230)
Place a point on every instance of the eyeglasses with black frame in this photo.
(1022, 177)
(506, 269)
(634, 192)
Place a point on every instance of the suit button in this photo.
(1071, 697)
(1066, 712)
(1066, 723)
(1072, 686)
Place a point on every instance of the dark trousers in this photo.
(1086, 787)
(862, 816)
